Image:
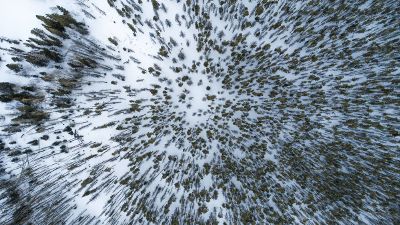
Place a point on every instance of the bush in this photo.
(15, 67)
(113, 41)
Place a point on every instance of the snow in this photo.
(107, 147)
(19, 17)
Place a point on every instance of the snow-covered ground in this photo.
(198, 112)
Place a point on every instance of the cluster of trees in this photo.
(302, 126)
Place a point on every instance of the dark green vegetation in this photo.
(34, 106)
(298, 122)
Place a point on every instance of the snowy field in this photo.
(199, 112)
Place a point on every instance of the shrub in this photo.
(113, 41)
(15, 67)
